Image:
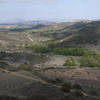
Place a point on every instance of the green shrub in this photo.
(39, 48)
(25, 67)
(48, 32)
(72, 51)
(69, 62)
(90, 61)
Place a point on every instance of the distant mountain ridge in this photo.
(30, 23)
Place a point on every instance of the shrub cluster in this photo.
(25, 67)
(69, 62)
(39, 48)
(72, 51)
(90, 61)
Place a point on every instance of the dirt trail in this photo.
(23, 76)
(29, 37)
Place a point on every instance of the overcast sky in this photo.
(12, 10)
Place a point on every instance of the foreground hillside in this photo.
(45, 80)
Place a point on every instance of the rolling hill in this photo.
(77, 34)
(87, 34)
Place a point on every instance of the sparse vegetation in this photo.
(25, 67)
(39, 48)
(69, 62)
(90, 61)
(72, 51)
(55, 81)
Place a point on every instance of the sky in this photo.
(21, 10)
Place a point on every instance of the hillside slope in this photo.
(80, 35)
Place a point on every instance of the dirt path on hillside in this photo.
(23, 76)
(42, 81)
(29, 37)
